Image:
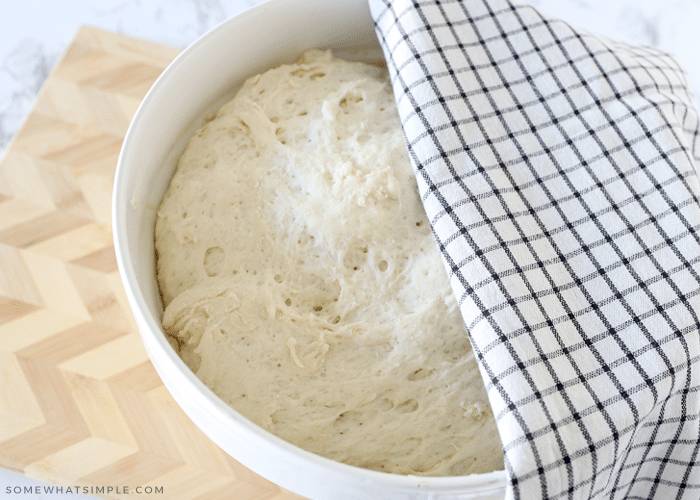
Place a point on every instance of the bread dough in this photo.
(302, 284)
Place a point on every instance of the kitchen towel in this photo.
(557, 169)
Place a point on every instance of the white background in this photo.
(34, 34)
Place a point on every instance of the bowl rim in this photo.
(159, 348)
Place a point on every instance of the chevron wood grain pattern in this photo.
(80, 402)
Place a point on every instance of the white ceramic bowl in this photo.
(197, 83)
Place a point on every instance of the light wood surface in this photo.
(80, 402)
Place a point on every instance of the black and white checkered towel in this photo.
(557, 169)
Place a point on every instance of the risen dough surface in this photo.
(303, 286)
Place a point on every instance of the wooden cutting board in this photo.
(80, 402)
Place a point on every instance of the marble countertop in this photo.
(34, 34)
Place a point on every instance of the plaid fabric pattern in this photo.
(557, 169)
